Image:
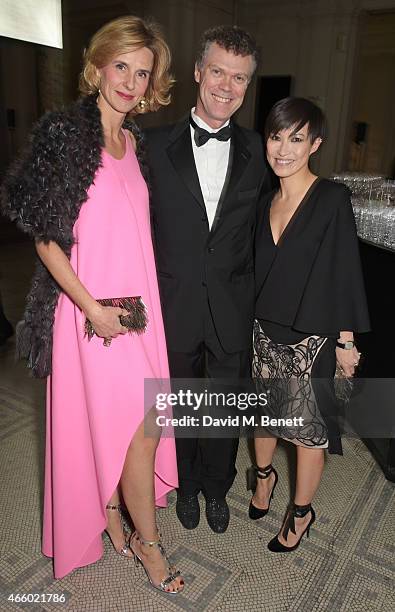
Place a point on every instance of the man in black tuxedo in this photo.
(207, 173)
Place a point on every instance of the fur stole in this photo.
(43, 192)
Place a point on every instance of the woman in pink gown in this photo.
(96, 451)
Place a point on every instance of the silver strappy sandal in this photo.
(172, 572)
(125, 550)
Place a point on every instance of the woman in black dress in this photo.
(310, 300)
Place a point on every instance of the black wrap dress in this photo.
(309, 287)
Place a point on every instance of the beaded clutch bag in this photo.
(136, 321)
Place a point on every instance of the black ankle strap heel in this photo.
(253, 473)
(295, 511)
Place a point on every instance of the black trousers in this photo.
(208, 464)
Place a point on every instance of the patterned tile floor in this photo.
(347, 564)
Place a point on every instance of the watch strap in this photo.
(347, 345)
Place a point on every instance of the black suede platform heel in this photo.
(253, 474)
(295, 512)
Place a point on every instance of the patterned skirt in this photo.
(285, 372)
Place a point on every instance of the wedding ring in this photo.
(107, 341)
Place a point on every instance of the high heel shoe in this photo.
(125, 550)
(295, 512)
(172, 573)
(253, 474)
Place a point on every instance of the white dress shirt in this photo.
(211, 161)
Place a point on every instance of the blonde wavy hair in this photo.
(123, 35)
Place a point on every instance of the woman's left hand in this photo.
(348, 360)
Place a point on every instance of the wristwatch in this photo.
(348, 344)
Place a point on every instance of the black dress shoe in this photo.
(188, 510)
(217, 514)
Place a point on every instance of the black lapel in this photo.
(225, 187)
(181, 155)
(239, 157)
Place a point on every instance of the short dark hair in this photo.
(230, 38)
(296, 112)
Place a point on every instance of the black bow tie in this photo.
(201, 135)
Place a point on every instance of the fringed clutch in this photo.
(136, 321)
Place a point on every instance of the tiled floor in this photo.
(346, 565)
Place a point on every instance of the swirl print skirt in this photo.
(298, 382)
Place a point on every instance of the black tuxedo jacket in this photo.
(193, 262)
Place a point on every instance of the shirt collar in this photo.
(204, 125)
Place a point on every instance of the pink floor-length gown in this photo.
(95, 395)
